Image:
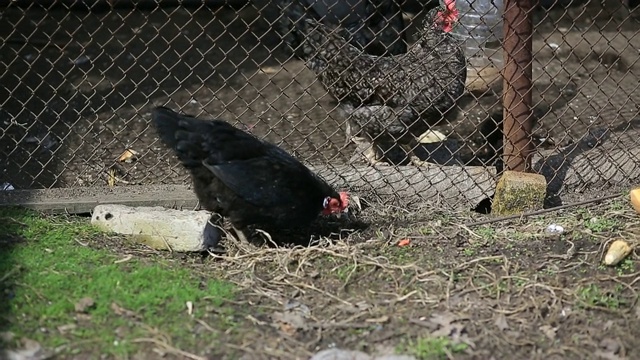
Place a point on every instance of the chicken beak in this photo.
(344, 215)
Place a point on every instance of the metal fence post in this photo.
(517, 100)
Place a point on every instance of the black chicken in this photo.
(392, 100)
(243, 178)
(376, 26)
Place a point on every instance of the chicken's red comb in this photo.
(450, 4)
(344, 198)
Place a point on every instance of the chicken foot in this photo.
(211, 234)
(240, 235)
(369, 151)
(413, 158)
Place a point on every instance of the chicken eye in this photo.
(325, 202)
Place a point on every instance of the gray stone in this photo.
(157, 227)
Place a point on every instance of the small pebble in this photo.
(555, 229)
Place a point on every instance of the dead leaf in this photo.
(288, 328)
(66, 328)
(129, 155)
(549, 331)
(638, 311)
(501, 322)
(452, 331)
(270, 69)
(606, 355)
(84, 305)
(610, 345)
(122, 311)
(296, 306)
(356, 308)
(293, 318)
(443, 319)
(289, 319)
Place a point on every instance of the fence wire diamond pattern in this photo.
(78, 85)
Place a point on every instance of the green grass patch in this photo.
(432, 348)
(594, 296)
(48, 271)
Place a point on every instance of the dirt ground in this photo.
(76, 96)
(504, 290)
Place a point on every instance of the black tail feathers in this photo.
(184, 134)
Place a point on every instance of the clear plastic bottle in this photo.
(480, 28)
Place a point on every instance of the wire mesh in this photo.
(78, 85)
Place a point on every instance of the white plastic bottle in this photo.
(480, 28)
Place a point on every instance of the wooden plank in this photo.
(102, 4)
(454, 187)
(84, 199)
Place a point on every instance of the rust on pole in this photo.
(518, 123)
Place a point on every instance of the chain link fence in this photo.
(79, 81)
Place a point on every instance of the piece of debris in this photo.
(190, 307)
(380, 320)
(66, 328)
(501, 322)
(119, 310)
(6, 336)
(618, 250)
(156, 227)
(270, 69)
(481, 79)
(340, 354)
(431, 136)
(519, 192)
(84, 305)
(81, 60)
(635, 199)
(610, 349)
(293, 318)
(355, 202)
(404, 242)
(128, 156)
(29, 350)
(111, 179)
(549, 331)
(289, 322)
(6, 187)
(554, 229)
(46, 142)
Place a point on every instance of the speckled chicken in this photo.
(390, 101)
(376, 26)
(248, 180)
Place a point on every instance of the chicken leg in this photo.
(369, 151)
(211, 233)
(413, 158)
(240, 235)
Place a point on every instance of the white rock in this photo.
(340, 354)
(156, 227)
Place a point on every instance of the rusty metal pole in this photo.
(518, 123)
